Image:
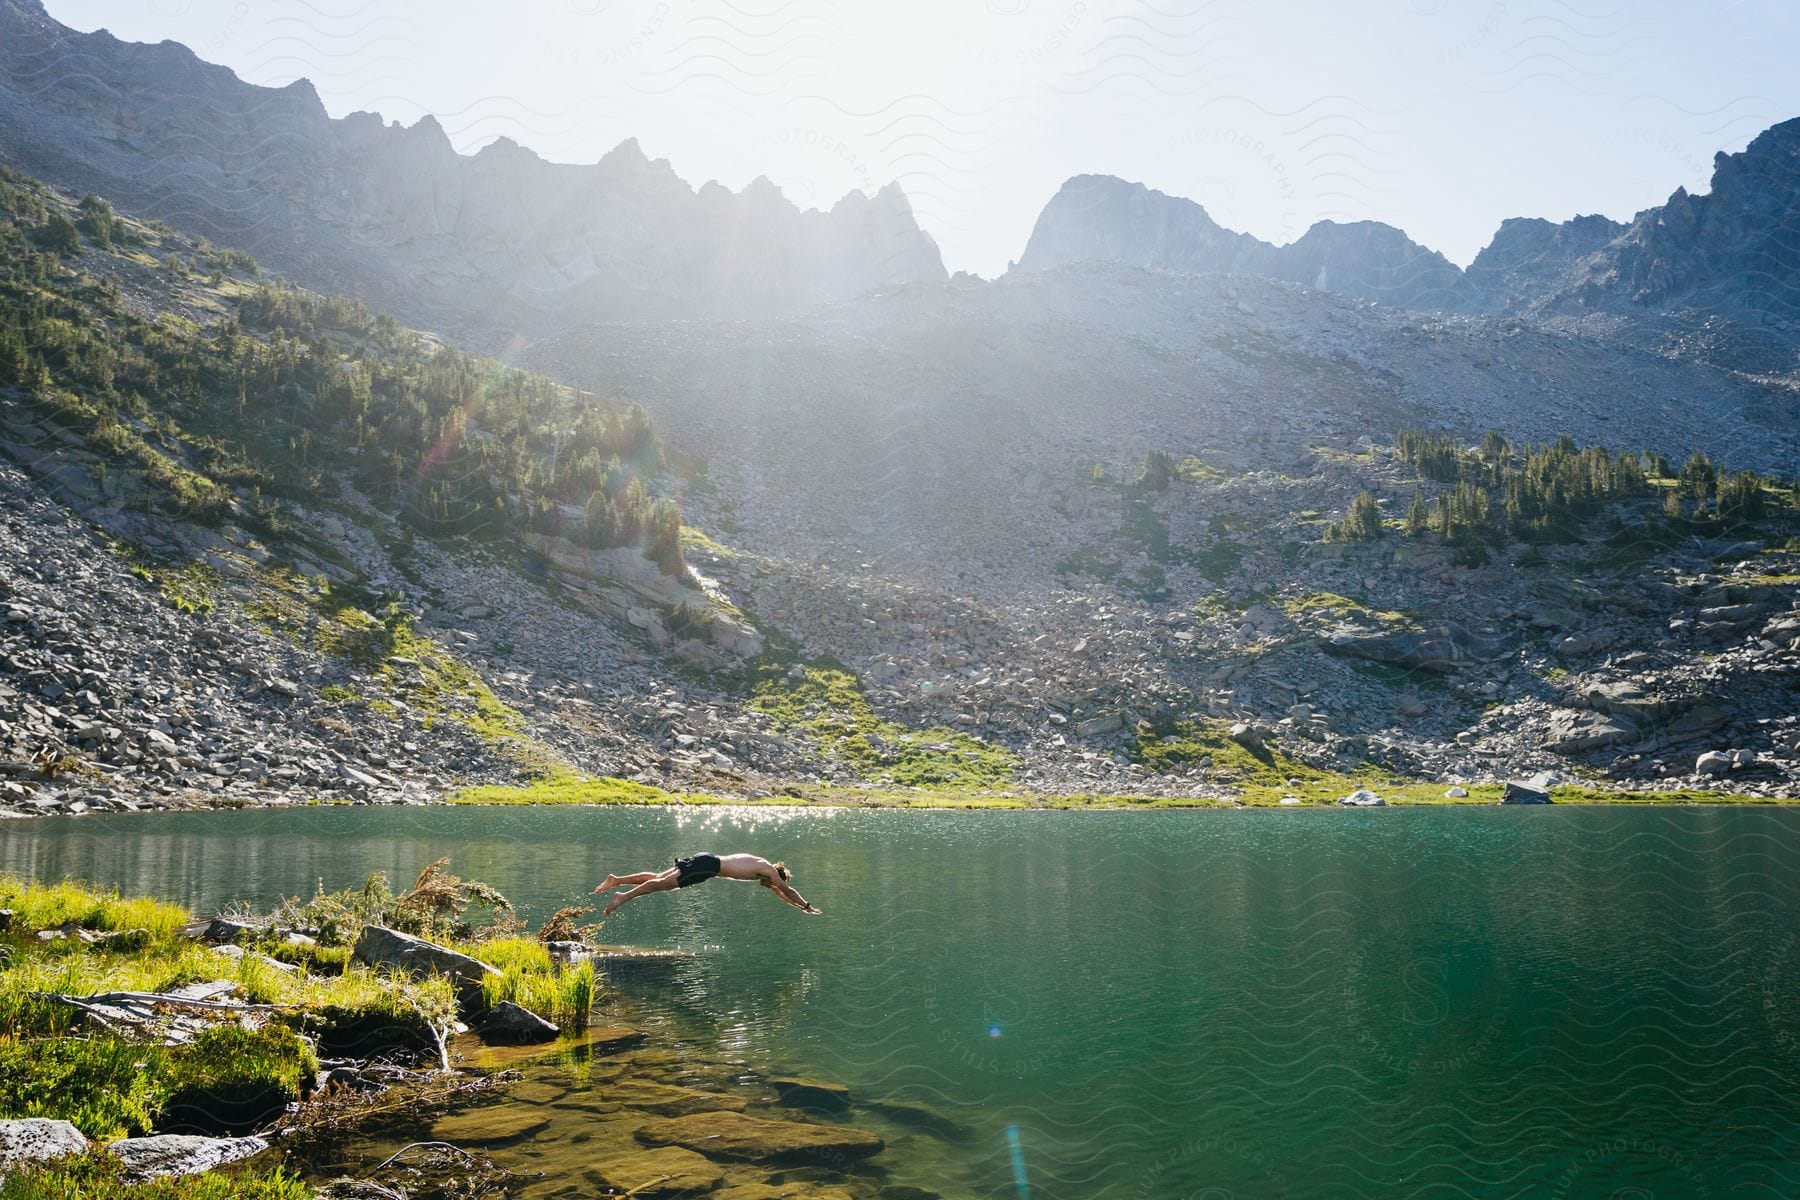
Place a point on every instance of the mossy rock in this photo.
(233, 1080)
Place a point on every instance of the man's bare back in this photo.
(698, 868)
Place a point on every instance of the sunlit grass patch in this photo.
(1165, 745)
(50, 905)
(101, 1176)
(1330, 604)
(570, 789)
(564, 997)
(827, 704)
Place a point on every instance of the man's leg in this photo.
(631, 880)
(661, 883)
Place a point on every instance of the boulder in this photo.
(1103, 724)
(1713, 762)
(731, 1135)
(1437, 650)
(36, 1139)
(507, 1022)
(1363, 798)
(1697, 722)
(1626, 698)
(379, 946)
(654, 1174)
(1456, 793)
(1570, 732)
(1525, 793)
(181, 1153)
(1247, 735)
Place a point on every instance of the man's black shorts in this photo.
(698, 869)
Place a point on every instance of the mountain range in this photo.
(395, 215)
(1735, 250)
(502, 246)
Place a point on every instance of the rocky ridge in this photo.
(1728, 254)
(481, 247)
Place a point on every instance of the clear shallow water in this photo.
(1412, 1002)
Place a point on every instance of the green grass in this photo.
(188, 587)
(827, 705)
(529, 978)
(1166, 745)
(48, 905)
(111, 1087)
(696, 539)
(569, 789)
(1332, 605)
(1249, 779)
(101, 1176)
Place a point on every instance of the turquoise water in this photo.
(1411, 1002)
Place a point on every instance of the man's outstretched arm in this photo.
(792, 897)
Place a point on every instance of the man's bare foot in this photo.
(611, 908)
(612, 881)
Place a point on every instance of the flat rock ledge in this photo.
(657, 1174)
(181, 1154)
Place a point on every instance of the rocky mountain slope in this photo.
(1077, 530)
(929, 431)
(1020, 619)
(482, 247)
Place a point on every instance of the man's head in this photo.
(781, 870)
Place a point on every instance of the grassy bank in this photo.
(1312, 787)
(282, 999)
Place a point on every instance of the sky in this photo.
(1442, 117)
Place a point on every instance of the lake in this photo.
(1487, 1002)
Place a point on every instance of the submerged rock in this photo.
(811, 1093)
(489, 1126)
(666, 1100)
(753, 1139)
(654, 1174)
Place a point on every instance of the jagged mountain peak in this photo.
(1734, 249)
(1102, 217)
(478, 246)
